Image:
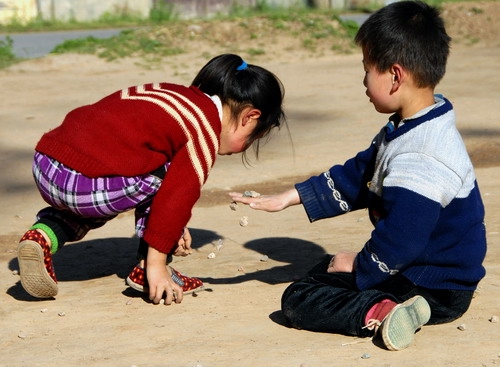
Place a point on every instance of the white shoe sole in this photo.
(34, 277)
(399, 327)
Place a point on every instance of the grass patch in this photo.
(7, 56)
(252, 31)
(253, 34)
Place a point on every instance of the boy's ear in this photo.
(398, 74)
(250, 114)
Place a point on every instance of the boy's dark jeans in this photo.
(331, 302)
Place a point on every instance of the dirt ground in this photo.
(95, 320)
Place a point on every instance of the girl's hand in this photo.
(184, 245)
(269, 203)
(160, 281)
(342, 262)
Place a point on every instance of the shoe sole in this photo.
(399, 327)
(34, 277)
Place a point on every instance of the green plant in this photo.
(255, 51)
(161, 13)
(7, 56)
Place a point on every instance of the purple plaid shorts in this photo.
(85, 203)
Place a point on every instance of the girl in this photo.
(148, 148)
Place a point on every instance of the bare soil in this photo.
(95, 320)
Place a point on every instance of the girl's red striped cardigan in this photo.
(137, 130)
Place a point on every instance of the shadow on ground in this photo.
(300, 256)
(98, 258)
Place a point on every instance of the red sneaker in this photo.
(37, 273)
(137, 280)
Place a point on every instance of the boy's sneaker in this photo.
(399, 326)
(138, 281)
(37, 273)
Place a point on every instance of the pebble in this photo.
(211, 255)
(15, 272)
(43, 310)
(264, 258)
(233, 206)
(244, 221)
(366, 356)
(493, 319)
(220, 244)
(62, 313)
(251, 194)
(22, 335)
(462, 327)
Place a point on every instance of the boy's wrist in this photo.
(291, 197)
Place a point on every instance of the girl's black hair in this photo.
(409, 33)
(250, 86)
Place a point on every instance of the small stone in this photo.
(129, 302)
(493, 319)
(366, 356)
(62, 313)
(22, 335)
(15, 272)
(220, 244)
(251, 194)
(211, 255)
(43, 310)
(264, 258)
(244, 221)
(233, 206)
(462, 327)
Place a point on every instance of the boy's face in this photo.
(379, 87)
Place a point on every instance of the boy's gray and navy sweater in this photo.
(419, 186)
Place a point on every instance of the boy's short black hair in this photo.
(409, 33)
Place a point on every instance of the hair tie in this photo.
(243, 66)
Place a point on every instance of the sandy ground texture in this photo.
(95, 320)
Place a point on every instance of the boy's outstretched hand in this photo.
(269, 203)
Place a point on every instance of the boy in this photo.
(424, 258)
